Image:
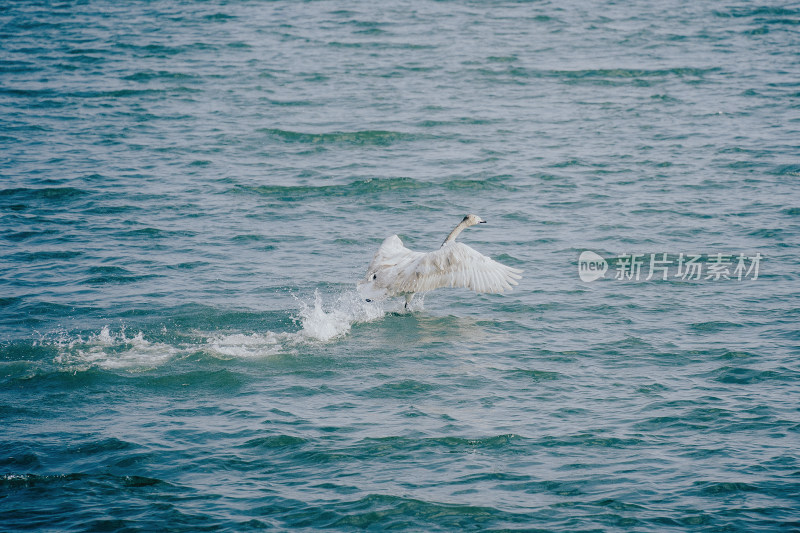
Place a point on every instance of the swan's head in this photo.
(371, 288)
(471, 220)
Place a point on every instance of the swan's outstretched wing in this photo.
(397, 270)
(457, 265)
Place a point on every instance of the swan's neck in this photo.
(453, 234)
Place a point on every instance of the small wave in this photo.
(17, 66)
(613, 76)
(624, 73)
(747, 376)
(477, 185)
(372, 187)
(356, 188)
(379, 512)
(787, 170)
(45, 255)
(148, 75)
(725, 487)
(25, 235)
(757, 11)
(366, 137)
(47, 193)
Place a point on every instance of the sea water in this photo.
(189, 192)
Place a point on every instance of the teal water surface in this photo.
(189, 192)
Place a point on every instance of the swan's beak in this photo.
(482, 222)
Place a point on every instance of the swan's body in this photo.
(395, 270)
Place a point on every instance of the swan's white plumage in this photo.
(396, 270)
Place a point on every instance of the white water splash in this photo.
(318, 323)
(112, 351)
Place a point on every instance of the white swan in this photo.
(395, 270)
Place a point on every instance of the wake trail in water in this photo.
(319, 323)
(110, 351)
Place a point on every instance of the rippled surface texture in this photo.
(190, 191)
